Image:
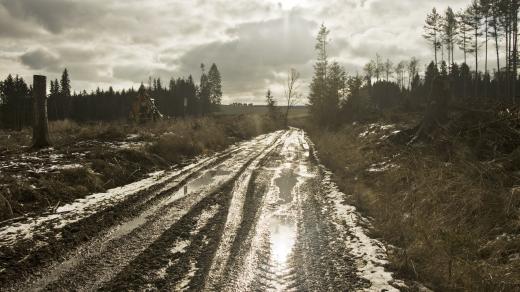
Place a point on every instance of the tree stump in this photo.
(40, 121)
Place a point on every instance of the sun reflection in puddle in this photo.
(282, 227)
(283, 237)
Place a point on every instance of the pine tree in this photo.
(271, 106)
(379, 67)
(318, 85)
(64, 100)
(369, 69)
(444, 70)
(412, 70)
(475, 17)
(464, 34)
(204, 92)
(215, 86)
(485, 10)
(388, 69)
(449, 26)
(336, 89)
(400, 71)
(429, 76)
(191, 96)
(54, 100)
(432, 30)
(65, 83)
(158, 84)
(466, 77)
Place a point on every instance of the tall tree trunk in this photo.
(442, 52)
(499, 77)
(464, 48)
(476, 60)
(40, 122)
(486, 62)
(515, 50)
(435, 48)
(508, 59)
(452, 52)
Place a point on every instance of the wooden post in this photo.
(40, 121)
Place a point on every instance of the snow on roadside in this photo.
(76, 210)
(82, 208)
(369, 254)
(26, 228)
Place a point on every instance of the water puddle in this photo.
(286, 182)
(207, 178)
(282, 224)
(283, 236)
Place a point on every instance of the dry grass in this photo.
(104, 164)
(454, 220)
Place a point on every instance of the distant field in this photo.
(259, 109)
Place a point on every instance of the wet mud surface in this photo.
(256, 219)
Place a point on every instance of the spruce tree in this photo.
(336, 84)
(271, 106)
(64, 100)
(204, 92)
(215, 86)
(318, 85)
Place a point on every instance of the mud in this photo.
(257, 217)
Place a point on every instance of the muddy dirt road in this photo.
(261, 216)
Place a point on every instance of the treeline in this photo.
(483, 25)
(336, 97)
(181, 97)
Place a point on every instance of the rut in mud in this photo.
(260, 216)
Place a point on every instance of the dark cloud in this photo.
(41, 59)
(14, 28)
(54, 15)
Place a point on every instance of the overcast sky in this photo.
(253, 42)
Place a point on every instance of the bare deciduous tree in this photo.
(388, 68)
(291, 93)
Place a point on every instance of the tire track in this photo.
(264, 216)
(219, 265)
(98, 261)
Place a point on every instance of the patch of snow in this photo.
(77, 210)
(375, 128)
(180, 246)
(133, 137)
(57, 167)
(27, 227)
(381, 166)
(370, 254)
(130, 145)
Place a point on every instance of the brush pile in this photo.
(492, 134)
